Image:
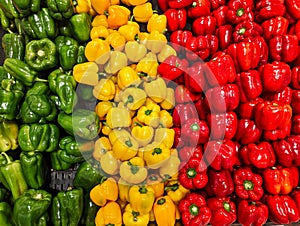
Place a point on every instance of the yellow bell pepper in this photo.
(141, 198)
(110, 214)
(133, 98)
(158, 185)
(167, 51)
(170, 168)
(116, 41)
(135, 51)
(109, 164)
(133, 2)
(127, 77)
(99, 32)
(97, 50)
(164, 211)
(117, 61)
(130, 31)
(105, 129)
(100, 6)
(142, 134)
(85, 6)
(133, 218)
(102, 145)
(86, 73)
(156, 89)
(149, 115)
(157, 23)
(102, 108)
(142, 13)
(165, 136)
(105, 89)
(133, 171)
(149, 101)
(131, 112)
(166, 119)
(176, 191)
(106, 191)
(156, 42)
(118, 118)
(147, 66)
(143, 37)
(100, 20)
(123, 187)
(156, 154)
(117, 16)
(169, 102)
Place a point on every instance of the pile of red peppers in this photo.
(237, 114)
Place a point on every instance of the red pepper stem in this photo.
(191, 173)
(226, 206)
(195, 127)
(248, 185)
(242, 31)
(240, 12)
(194, 209)
(194, 4)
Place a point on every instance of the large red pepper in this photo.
(267, 9)
(194, 77)
(296, 197)
(246, 110)
(163, 4)
(247, 132)
(282, 209)
(188, 152)
(202, 108)
(204, 25)
(264, 48)
(295, 124)
(220, 15)
(284, 48)
(199, 8)
(275, 26)
(193, 210)
(220, 183)
(259, 155)
(178, 142)
(195, 131)
(293, 8)
(271, 115)
(183, 95)
(277, 134)
(217, 3)
(172, 67)
(182, 113)
(223, 211)
(222, 125)
(224, 34)
(222, 154)
(240, 10)
(179, 38)
(280, 180)
(176, 19)
(248, 185)
(193, 174)
(252, 213)
(246, 29)
(283, 97)
(295, 77)
(295, 102)
(179, 4)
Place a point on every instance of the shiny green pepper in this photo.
(81, 25)
(6, 214)
(60, 9)
(13, 45)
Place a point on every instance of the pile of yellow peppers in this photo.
(133, 104)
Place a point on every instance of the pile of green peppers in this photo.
(39, 104)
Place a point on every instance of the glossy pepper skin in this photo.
(267, 9)
(8, 135)
(81, 26)
(13, 45)
(164, 211)
(176, 19)
(177, 4)
(141, 198)
(183, 112)
(194, 77)
(90, 210)
(194, 211)
(57, 163)
(284, 48)
(199, 8)
(179, 38)
(9, 9)
(60, 10)
(31, 208)
(239, 11)
(6, 214)
(195, 131)
(274, 26)
(204, 25)
(247, 132)
(224, 34)
(172, 67)
(292, 7)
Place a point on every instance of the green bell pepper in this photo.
(67, 207)
(38, 137)
(21, 71)
(37, 106)
(40, 25)
(13, 46)
(64, 28)
(63, 85)
(61, 40)
(85, 92)
(3, 162)
(86, 123)
(89, 211)
(81, 26)
(34, 166)
(81, 55)
(12, 176)
(9, 9)
(41, 54)
(60, 9)
(71, 152)
(57, 163)
(5, 22)
(26, 7)
(31, 208)
(8, 135)
(6, 216)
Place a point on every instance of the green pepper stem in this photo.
(138, 124)
(6, 157)
(242, 31)
(240, 12)
(191, 173)
(195, 127)
(130, 99)
(161, 201)
(134, 169)
(128, 143)
(248, 185)
(40, 80)
(194, 209)
(226, 206)
(148, 112)
(173, 187)
(143, 190)
(157, 151)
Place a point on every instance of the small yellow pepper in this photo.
(176, 191)
(141, 198)
(127, 77)
(85, 6)
(133, 98)
(99, 32)
(131, 112)
(86, 73)
(105, 89)
(156, 89)
(166, 119)
(143, 37)
(102, 108)
(156, 154)
(147, 66)
(100, 20)
(165, 136)
(116, 41)
(105, 129)
(110, 214)
(117, 61)
(133, 218)
(142, 13)
(142, 134)
(156, 42)
(117, 16)
(106, 191)
(100, 6)
(102, 145)
(157, 23)
(149, 101)
(149, 115)
(130, 31)
(118, 118)
(97, 50)
(135, 51)
(164, 211)
(133, 171)
(133, 2)
(109, 164)
(167, 51)
(158, 185)
(170, 168)
(123, 187)
(169, 102)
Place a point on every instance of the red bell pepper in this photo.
(182, 113)
(195, 131)
(163, 4)
(222, 125)
(283, 97)
(193, 210)
(202, 108)
(280, 180)
(188, 152)
(267, 9)
(220, 15)
(223, 211)
(199, 8)
(246, 110)
(240, 10)
(287, 151)
(204, 25)
(217, 3)
(224, 34)
(250, 85)
(264, 48)
(284, 48)
(220, 183)
(246, 29)
(178, 142)
(183, 95)
(179, 38)
(179, 4)
(172, 67)
(260, 155)
(252, 213)
(193, 174)
(295, 102)
(295, 29)
(295, 77)
(222, 154)
(275, 26)
(277, 134)
(223, 98)
(282, 209)
(293, 8)
(194, 77)
(222, 70)
(176, 19)
(271, 115)
(295, 124)
(296, 198)
(247, 132)
(248, 185)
